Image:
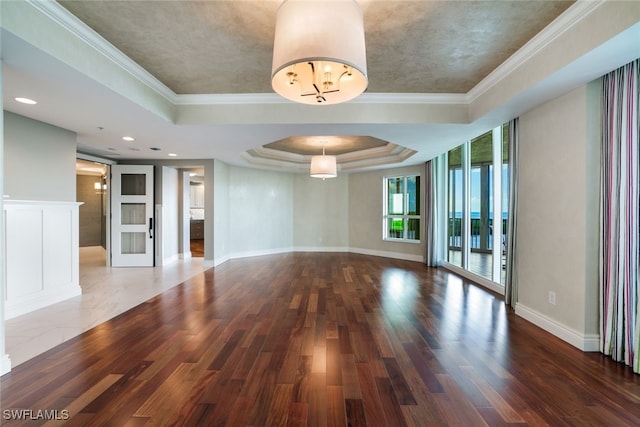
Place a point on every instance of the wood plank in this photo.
(316, 339)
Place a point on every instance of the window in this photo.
(402, 208)
(477, 204)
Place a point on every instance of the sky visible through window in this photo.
(475, 201)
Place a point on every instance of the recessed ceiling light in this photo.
(26, 101)
(128, 138)
(172, 154)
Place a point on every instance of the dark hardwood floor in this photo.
(321, 339)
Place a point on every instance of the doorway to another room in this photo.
(91, 190)
(196, 213)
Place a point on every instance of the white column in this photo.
(5, 362)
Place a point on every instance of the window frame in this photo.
(406, 217)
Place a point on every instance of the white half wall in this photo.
(42, 257)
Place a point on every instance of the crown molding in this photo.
(365, 98)
(293, 162)
(563, 23)
(410, 98)
(230, 99)
(61, 16)
(574, 14)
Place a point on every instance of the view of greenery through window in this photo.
(402, 208)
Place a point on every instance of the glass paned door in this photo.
(455, 208)
(132, 222)
(481, 212)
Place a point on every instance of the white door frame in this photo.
(132, 217)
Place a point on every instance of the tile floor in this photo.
(106, 292)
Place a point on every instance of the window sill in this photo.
(391, 239)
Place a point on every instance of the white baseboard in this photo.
(171, 259)
(394, 255)
(42, 299)
(185, 255)
(584, 342)
(221, 260)
(5, 364)
(250, 254)
(386, 254)
(321, 249)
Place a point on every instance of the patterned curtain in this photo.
(619, 216)
(511, 283)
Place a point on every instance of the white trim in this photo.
(365, 98)
(385, 254)
(5, 365)
(17, 204)
(20, 306)
(221, 260)
(479, 280)
(411, 98)
(321, 249)
(249, 254)
(388, 254)
(229, 99)
(61, 16)
(563, 23)
(584, 342)
(170, 260)
(92, 158)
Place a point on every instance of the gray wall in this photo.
(91, 217)
(260, 211)
(366, 208)
(39, 160)
(221, 244)
(321, 212)
(558, 211)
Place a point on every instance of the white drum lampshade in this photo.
(323, 166)
(319, 52)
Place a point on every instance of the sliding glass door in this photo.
(477, 204)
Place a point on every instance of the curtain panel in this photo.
(435, 203)
(511, 277)
(619, 216)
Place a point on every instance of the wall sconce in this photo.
(100, 186)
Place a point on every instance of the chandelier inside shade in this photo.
(319, 52)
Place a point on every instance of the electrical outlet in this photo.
(552, 297)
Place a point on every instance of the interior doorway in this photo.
(196, 212)
(92, 191)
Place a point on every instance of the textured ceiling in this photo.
(222, 47)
